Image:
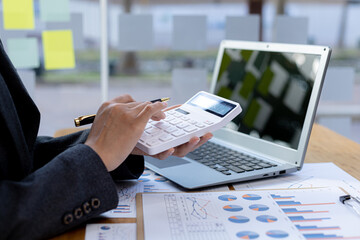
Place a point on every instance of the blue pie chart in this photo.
(277, 234)
(238, 219)
(266, 218)
(160, 179)
(143, 180)
(247, 235)
(145, 174)
(232, 208)
(251, 197)
(259, 207)
(105, 228)
(227, 198)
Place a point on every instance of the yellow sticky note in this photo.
(18, 14)
(58, 49)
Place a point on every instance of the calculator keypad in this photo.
(176, 124)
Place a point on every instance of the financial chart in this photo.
(298, 214)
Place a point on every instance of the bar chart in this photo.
(318, 216)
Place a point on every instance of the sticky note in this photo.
(18, 14)
(291, 29)
(189, 33)
(136, 32)
(58, 49)
(54, 11)
(23, 52)
(245, 28)
(75, 25)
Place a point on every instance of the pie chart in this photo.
(266, 218)
(247, 235)
(160, 179)
(227, 198)
(277, 234)
(232, 208)
(251, 197)
(238, 219)
(143, 180)
(259, 207)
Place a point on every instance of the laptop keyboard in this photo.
(227, 161)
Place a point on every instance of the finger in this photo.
(123, 99)
(164, 155)
(204, 139)
(151, 109)
(172, 107)
(185, 148)
(190, 146)
(136, 104)
(158, 116)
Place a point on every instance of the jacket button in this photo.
(86, 207)
(78, 213)
(95, 203)
(68, 218)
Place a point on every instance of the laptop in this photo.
(278, 87)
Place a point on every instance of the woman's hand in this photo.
(118, 126)
(179, 151)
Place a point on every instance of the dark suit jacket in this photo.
(47, 185)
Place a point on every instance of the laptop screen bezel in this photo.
(270, 149)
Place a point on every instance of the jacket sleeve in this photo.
(46, 148)
(72, 188)
(68, 186)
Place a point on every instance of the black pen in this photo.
(87, 119)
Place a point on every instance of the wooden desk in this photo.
(324, 146)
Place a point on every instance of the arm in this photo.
(74, 187)
(47, 148)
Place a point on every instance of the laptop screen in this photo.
(273, 89)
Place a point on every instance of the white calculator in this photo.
(203, 113)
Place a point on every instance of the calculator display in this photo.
(212, 105)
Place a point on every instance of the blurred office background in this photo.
(161, 48)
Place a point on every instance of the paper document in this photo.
(311, 175)
(149, 181)
(116, 231)
(278, 214)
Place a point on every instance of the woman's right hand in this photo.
(118, 125)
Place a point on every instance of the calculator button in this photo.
(178, 133)
(170, 129)
(185, 118)
(178, 114)
(208, 122)
(182, 125)
(165, 138)
(145, 137)
(190, 129)
(162, 125)
(170, 112)
(200, 125)
(193, 122)
(152, 142)
(153, 130)
(175, 121)
(168, 119)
